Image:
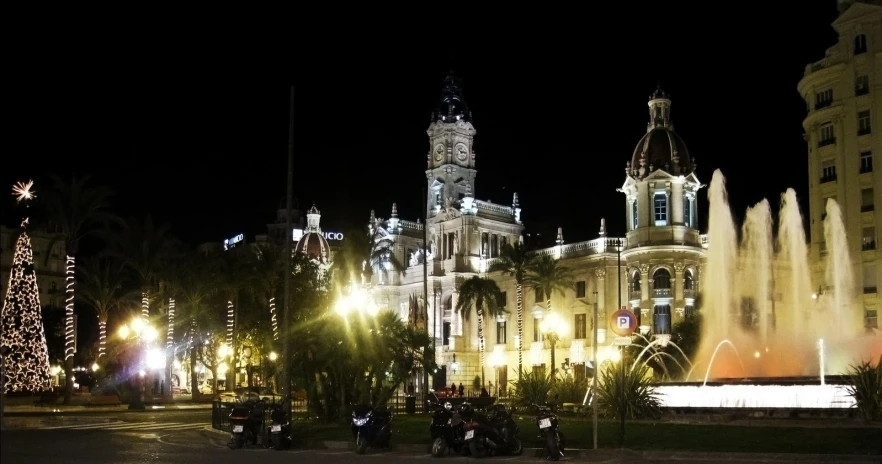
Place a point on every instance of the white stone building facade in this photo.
(842, 95)
(654, 269)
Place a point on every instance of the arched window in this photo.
(661, 278)
(860, 44)
(689, 283)
(635, 281)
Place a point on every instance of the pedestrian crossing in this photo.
(132, 426)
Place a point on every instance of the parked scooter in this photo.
(245, 422)
(280, 427)
(371, 428)
(492, 433)
(447, 431)
(549, 430)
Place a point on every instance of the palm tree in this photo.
(365, 253)
(548, 276)
(196, 283)
(101, 287)
(514, 260)
(143, 246)
(483, 295)
(75, 206)
(267, 269)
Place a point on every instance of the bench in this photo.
(105, 400)
(47, 399)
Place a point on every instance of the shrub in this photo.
(531, 388)
(865, 386)
(630, 392)
(569, 390)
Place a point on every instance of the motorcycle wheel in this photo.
(517, 447)
(561, 444)
(477, 450)
(551, 449)
(439, 447)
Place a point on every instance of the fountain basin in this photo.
(755, 396)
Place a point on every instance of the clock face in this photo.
(439, 152)
(462, 153)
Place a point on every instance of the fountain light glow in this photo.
(755, 396)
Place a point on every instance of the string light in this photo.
(145, 305)
(102, 338)
(69, 283)
(231, 321)
(27, 362)
(170, 337)
(272, 305)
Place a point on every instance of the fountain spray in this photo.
(821, 358)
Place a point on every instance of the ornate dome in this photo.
(313, 243)
(661, 147)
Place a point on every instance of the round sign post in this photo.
(623, 323)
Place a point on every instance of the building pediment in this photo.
(857, 11)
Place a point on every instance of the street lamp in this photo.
(142, 334)
(356, 300)
(554, 328)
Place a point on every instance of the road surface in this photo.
(173, 437)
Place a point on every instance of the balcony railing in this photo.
(870, 290)
(867, 208)
(689, 293)
(636, 295)
(825, 142)
(823, 104)
(661, 292)
(864, 131)
(868, 245)
(830, 178)
(861, 90)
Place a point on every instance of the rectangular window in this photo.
(867, 200)
(580, 326)
(823, 99)
(687, 212)
(634, 217)
(860, 44)
(661, 319)
(861, 85)
(828, 171)
(537, 293)
(661, 209)
(868, 238)
(500, 332)
(502, 299)
(446, 333)
(537, 330)
(580, 289)
(864, 123)
(826, 136)
(871, 318)
(869, 278)
(866, 162)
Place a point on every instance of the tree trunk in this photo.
(145, 305)
(480, 312)
(70, 341)
(102, 337)
(194, 377)
(520, 295)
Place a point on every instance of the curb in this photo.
(624, 453)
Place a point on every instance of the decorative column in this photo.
(679, 305)
(455, 323)
(645, 298)
(676, 195)
(601, 304)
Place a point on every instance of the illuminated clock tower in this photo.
(451, 159)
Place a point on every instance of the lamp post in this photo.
(553, 327)
(594, 377)
(618, 243)
(142, 334)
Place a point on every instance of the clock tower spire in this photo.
(451, 159)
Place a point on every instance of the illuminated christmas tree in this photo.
(26, 364)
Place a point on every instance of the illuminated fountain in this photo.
(759, 298)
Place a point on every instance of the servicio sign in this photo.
(230, 242)
(299, 233)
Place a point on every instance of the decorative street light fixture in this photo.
(356, 300)
(139, 331)
(554, 328)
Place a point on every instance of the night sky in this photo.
(192, 127)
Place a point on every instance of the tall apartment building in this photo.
(842, 95)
